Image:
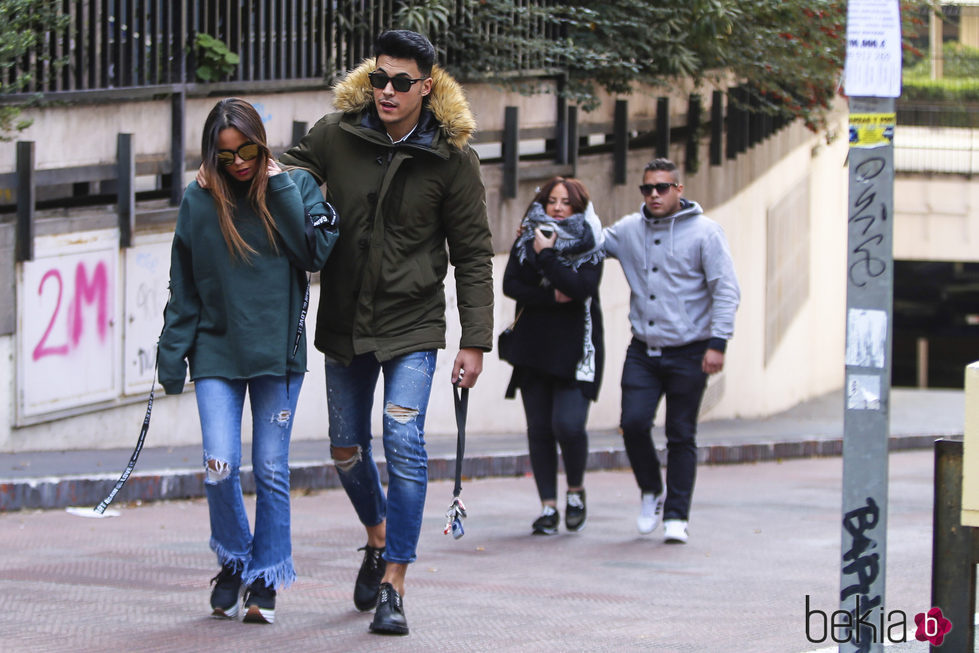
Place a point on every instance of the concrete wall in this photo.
(808, 360)
(69, 135)
(85, 134)
(969, 26)
(936, 218)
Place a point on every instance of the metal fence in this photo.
(937, 137)
(938, 115)
(112, 44)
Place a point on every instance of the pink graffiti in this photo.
(40, 351)
(86, 292)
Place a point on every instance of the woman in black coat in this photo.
(556, 348)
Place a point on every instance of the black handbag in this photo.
(504, 342)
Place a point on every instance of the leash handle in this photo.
(461, 400)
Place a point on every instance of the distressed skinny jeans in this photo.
(350, 396)
(273, 403)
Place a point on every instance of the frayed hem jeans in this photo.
(267, 553)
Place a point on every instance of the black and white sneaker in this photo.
(226, 592)
(369, 577)
(575, 512)
(675, 531)
(259, 603)
(547, 523)
(650, 511)
(389, 617)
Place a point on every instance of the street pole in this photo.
(873, 38)
(869, 323)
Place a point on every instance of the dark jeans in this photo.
(556, 414)
(676, 372)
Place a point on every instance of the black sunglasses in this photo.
(661, 188)
(246, 151)
(401, 83)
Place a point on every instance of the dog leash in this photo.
(457, 510)
(100, 509)
(139, 444)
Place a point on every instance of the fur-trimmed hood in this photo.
(447, 101)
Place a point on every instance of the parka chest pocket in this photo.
(414, 197)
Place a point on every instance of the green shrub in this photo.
(959, 82)
(214, 60)
(941, 90)
(959, 62)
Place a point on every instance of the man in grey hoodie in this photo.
(684, 294)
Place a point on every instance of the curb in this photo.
(48, 493)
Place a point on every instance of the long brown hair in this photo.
(577, 194)
(234, 112)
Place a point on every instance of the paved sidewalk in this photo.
(763, 537)
(813, 428)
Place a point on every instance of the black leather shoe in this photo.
(369, 578)
(389, 618)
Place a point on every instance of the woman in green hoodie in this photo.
(236, 312)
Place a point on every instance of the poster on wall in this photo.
(68, 309)
(147, 290)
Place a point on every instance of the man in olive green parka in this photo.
(398, 168)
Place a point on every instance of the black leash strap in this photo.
(139, 445)
(302, 320)
(461, 398)
(457, 510)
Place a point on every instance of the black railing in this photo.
(934, 113)
(565, 142)
(112, 44)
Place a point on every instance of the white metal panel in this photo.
(970, 449)
(68, 308)
(147, 266)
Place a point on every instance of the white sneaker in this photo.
(675, 531)
(650, 512)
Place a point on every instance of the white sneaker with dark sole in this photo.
(675, 531)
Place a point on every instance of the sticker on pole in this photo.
(872, 129)
(873, 49)
(866, 338)
(862, 392)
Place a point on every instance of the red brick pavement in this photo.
(763, 536)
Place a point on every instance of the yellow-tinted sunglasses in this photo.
(247, 152)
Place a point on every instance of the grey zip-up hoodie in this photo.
(680, 272)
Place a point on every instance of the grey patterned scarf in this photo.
(579, 237)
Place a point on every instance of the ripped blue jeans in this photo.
(219, 402)
(350, 395)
